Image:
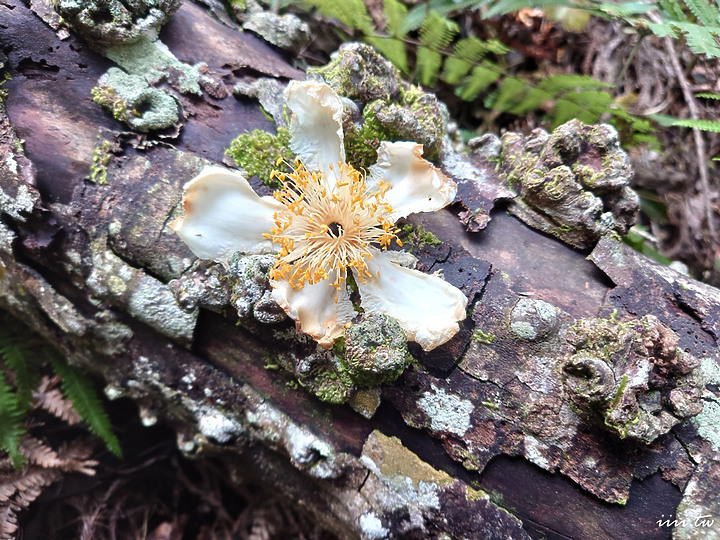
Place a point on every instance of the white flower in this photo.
(327, 221)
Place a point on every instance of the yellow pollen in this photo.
(323, 231)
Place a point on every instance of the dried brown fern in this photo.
(44, 465)
(49, 397)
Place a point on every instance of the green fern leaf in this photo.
(11, 423)
(437, 32)
(395, 13)
(662, 29)
(671, 121)
(707, 95)
(15, 357)
(557, 84)
(416, 16)
(672, 9)
(468, 52)
(481, 77)
(587, 106)
(507, 95)
(428, 65)
(391, 48)
(701, 39)
(705, 12)
(627, 9)
(80, 390)
(353, 13)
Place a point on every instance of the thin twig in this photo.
(697, 135)
(629, 61)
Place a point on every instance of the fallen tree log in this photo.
(567, 405)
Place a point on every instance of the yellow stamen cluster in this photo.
(325, 229)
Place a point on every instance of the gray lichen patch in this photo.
(446, 412)
(306, 450)
(286, 31)
(145, 298)
(113, 22)
(533, 319)
(251, 291)
(270, 94)
(633, 375)
(375, 350)
(572, 183)
(153, 61)
(130, 99)
(707, 421)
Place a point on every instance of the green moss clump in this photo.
(416, 236)
(107, 97)
(101, 159)
(482, 337)
(361, 145)
(258, 152)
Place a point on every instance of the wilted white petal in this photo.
(415, 184)
(319, 310)
(316, 134)
(427, 307)
(224, 215)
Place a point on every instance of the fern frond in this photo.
(15, 357)
(49, 398)
(557, 84)
(507, 95)
(701, 39)
(673, 9)
(11, 423)
(587, 106)
(416, 16)
(428, 65)
(481, 77)
(467, 51)
(395, 13)
(705, 12)
(38, 452)
(8, 523)
(82, 393)
(352, 13)
(437, 32)
(391, 48)
(707, 95)
(662, 29)
(671, 121)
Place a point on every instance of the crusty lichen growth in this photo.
(631, 376)
(130, 99)
(572, 183)
(375, 351)
(112, 22)
(392, 109)
(258, 153)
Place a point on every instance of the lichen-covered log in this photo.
(579, 398)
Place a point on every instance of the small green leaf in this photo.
(81, 391)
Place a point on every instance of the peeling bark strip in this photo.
(526, 426)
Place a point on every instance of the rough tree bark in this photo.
(551, 414)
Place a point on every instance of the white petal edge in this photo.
(319, 310)
(316, 134)
(427, 307)
(416, 185)
(224, 215)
